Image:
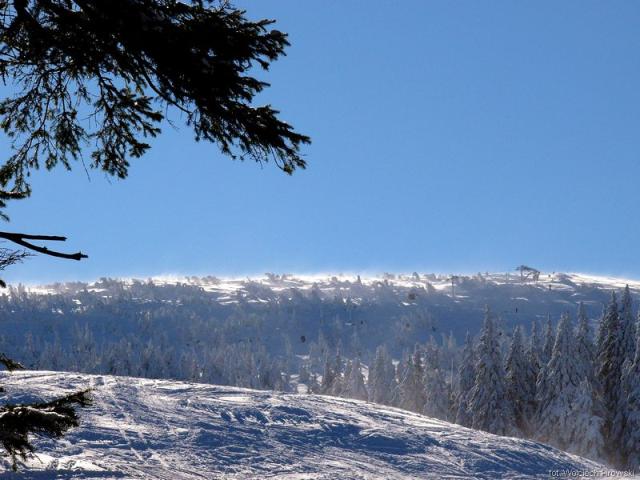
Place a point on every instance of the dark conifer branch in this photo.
(50, 419)
(88, 76)
(21, 239)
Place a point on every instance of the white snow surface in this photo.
(161, 429)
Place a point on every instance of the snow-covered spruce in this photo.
(466, 378)
(520, 392)
(489, 405)
(609, 363)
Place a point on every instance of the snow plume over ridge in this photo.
(328, 281)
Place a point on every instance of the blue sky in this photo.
(447, 136)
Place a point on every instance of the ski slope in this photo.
(160, 429)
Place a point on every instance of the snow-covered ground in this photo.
(159, 429)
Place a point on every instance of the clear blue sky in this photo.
(447, 136)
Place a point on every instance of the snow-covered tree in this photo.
(556, 390)
(535, 344)
(520, 392)
(586, 423)
(382, 378)
(584, 348)
(411, 391)
(354, 383)
(609, 362)
(466, 379)
(627, 327)
(328, 375)
(489, 406)
(436, 390)
(547, 348)
(630, 441)
(534, 364)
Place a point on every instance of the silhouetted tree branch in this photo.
(21, 239)
(100, 74)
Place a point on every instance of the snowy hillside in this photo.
(158, 429)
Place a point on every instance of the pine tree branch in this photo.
(21, 239)
(51, 419)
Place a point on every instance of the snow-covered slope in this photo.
(157, 429)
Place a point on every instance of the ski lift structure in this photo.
(528, 273)
(454, 279)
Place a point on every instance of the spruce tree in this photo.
(466, 379)
(489, 406)
(556, 390)
(382, 382)
(411, 390)
(355, 386)
(520, 392)
(549, 339)
(534, 364)
(630, 441)
(125, 64)
(587, 423)
(328, 376)
(535, 343)
(627, 328)
(338, 385)
(584, 347)
(436, 392)
(609, 362)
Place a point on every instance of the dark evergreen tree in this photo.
(382, 378)
(122, 63)
(411, 390)
(549, 339)
(466, 379)
(354, 382)
(520, 393)
(609, 362)
(584, 347)
(534, 363)
(436, 399)
(627, 327)
(630, 443)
